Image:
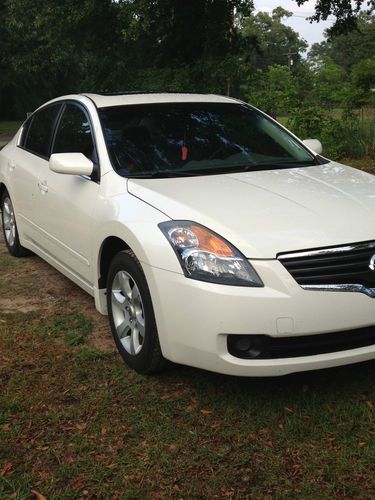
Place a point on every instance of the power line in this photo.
(330, 19)
(309, 15)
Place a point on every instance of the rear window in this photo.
(39, 133)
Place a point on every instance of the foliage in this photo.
(273, 90)
(363, 74)
(345, 11)
(53, 48)
(306, 122)
(93, 45)
(50, 48)
(347, 49)
(344, 136)
(331, 86)
(266, 40)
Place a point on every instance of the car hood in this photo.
(267, 212)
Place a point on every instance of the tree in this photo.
(274, 90)
(346, 49)
(363, 74)
(345, 11)
(343, 66)
(266, 40)
(363, 83)
(331, 87)
(57, 47)
(177, 32)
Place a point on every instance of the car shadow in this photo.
(330, 383)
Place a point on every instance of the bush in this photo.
(273, 91)
(348, 136)
(306, 122)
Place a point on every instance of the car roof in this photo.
(121, 99)
(118, 99)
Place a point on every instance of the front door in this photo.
(67, 202)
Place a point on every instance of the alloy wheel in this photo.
(9, 222)
(128, 312)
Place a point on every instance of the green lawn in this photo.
(9, 128)
(76, 423)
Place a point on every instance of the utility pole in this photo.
(229, 86)
(290, 55)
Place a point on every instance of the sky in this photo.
(310, 32)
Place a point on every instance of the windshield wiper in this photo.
(270, 166)
(225, 169)
(160, 174)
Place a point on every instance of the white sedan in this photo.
(209, 234)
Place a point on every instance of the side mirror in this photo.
(314, 144)
(71, 163)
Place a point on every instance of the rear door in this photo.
(68, 201)
(30, 156)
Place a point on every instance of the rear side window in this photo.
(25, 130)
(74, 133)
(39, 133)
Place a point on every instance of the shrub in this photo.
(348, 136)
(306, 122)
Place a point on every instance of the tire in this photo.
(10, 231)
(131, 315)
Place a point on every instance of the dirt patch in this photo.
(40, 287)
(17, 305)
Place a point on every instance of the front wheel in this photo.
(131, 315)
(10, 230)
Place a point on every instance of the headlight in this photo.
(205, 256)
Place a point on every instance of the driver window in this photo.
(74, 133)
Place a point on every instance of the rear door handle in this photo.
(43, 186)
(11, 165)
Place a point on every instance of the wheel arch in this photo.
(144, 239)
(2, 189)
(109, 248)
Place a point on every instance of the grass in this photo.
(74, 327)
(76, 423)
(9, 128)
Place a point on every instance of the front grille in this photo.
(345, 265)
(265, 347)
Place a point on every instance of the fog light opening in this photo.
(243, 344)
(248, 346)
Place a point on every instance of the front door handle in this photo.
(11, 165)
(42, 185)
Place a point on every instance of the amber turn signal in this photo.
(211, 243)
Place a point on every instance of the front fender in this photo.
(136, 223)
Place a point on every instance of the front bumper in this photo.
(195, 318)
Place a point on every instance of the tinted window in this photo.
(25, 130)
(74, 133)
(174, 139)
(40, 130)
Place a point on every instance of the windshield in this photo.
(157, 140)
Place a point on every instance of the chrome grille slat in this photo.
(325, 260)
(344, 268)
(347, 268)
